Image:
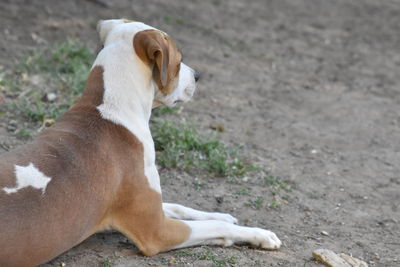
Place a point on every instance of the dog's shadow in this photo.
(95, 250)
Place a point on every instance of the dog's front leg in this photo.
(143, 222)
(177, 211)
(226, 234)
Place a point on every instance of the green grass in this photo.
(280, 189)
(23, 134)
(255, 204)
(181, 146)
(198, 185)
(243, 192)
(109, 261)
(63, 69)
(275, 204)
(69, 62)
(217, 260)
(164, 111)
(277, 183)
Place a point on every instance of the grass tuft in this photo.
(277, 183)
(68, 62)
(255, 204)
(109, 261)
(181, 146)
(62, 69)
(217, 260)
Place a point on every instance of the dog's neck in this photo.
(128, 87)
(128, 99)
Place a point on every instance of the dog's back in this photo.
(53, 189)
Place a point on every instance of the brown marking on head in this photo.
(159, 51)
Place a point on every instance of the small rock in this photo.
(325, 233)
(172, 260)
(62, 264)
(329, 258)
(48, 122)
(217, 127)
(354, 262)
(12, 126)
(38, 39)
(50, 97)
(24, 77)
(219, 199)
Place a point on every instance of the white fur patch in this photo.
(226, 234)
(177, 211)
(28, 176)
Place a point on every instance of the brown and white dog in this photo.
(95, 168)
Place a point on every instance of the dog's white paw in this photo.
(225, 217)
(266, 239)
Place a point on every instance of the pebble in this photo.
(325, 233)
(48, 122)
(330, 258)
(50, 97)
(219, 199)
(217, 127)
(12, 126)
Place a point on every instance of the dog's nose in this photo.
(196, 76)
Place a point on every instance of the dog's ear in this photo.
(105, 26)
(157, 49)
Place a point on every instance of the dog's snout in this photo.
(196, 76)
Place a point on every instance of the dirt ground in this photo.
(310, 88)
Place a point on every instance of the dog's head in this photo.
(174, 81)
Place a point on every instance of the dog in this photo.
(95, 168)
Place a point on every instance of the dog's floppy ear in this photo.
(156, 48)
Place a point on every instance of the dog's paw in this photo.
(225, 217)
(266, 239)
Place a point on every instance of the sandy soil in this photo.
(310, 88)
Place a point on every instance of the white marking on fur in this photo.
(28, 176)
(177, 211)
(226, 234)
